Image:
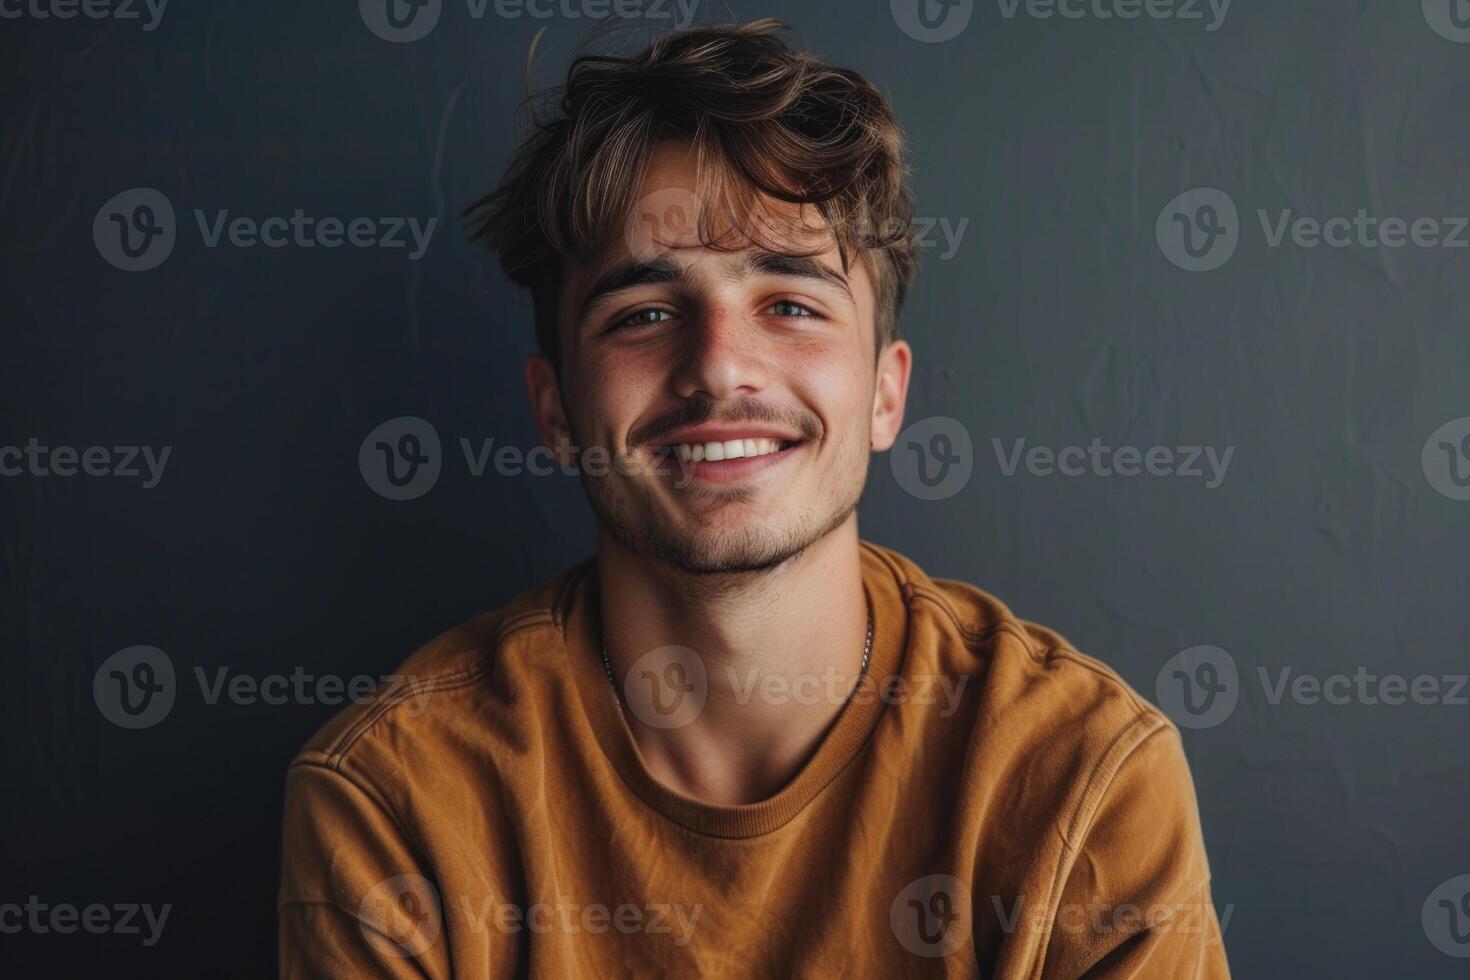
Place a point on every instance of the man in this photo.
(739, 741)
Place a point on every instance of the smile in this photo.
(717, 450)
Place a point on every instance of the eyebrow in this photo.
(662, 270)
(627, 275)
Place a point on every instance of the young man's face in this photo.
(735, 391)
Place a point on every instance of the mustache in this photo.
(703, 410)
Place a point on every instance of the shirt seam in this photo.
(421, 687)
(416, 687)
(375, 796)
(1086, 806)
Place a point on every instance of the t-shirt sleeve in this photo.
(354, 900)
(1136, 901)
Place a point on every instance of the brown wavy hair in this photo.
(761, 118)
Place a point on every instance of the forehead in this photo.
(669, 212)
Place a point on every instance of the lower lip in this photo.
(726, 470)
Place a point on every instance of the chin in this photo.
(727, 542)
(727, 550)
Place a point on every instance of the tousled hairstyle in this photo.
(760, 118)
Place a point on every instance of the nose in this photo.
(721, 359)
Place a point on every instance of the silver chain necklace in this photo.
(607, 664)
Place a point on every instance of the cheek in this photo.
(618, 394)
(838, 391)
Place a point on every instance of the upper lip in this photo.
(724, 432)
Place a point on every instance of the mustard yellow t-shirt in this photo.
(989, 803)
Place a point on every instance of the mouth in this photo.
(719, 450)
(726, 460)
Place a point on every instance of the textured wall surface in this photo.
(1115, 259)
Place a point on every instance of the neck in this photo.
(781, 651)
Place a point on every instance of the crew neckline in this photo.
(839, 746)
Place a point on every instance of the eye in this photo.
(786, 307)
(642, 318)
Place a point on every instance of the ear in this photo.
(544, 388)
(892, 389)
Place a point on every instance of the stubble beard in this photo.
(629, 511)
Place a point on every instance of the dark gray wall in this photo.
(1335, 543)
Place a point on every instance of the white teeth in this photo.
(727, 449)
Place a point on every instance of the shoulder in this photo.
(437, 682)
(1031, 684)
